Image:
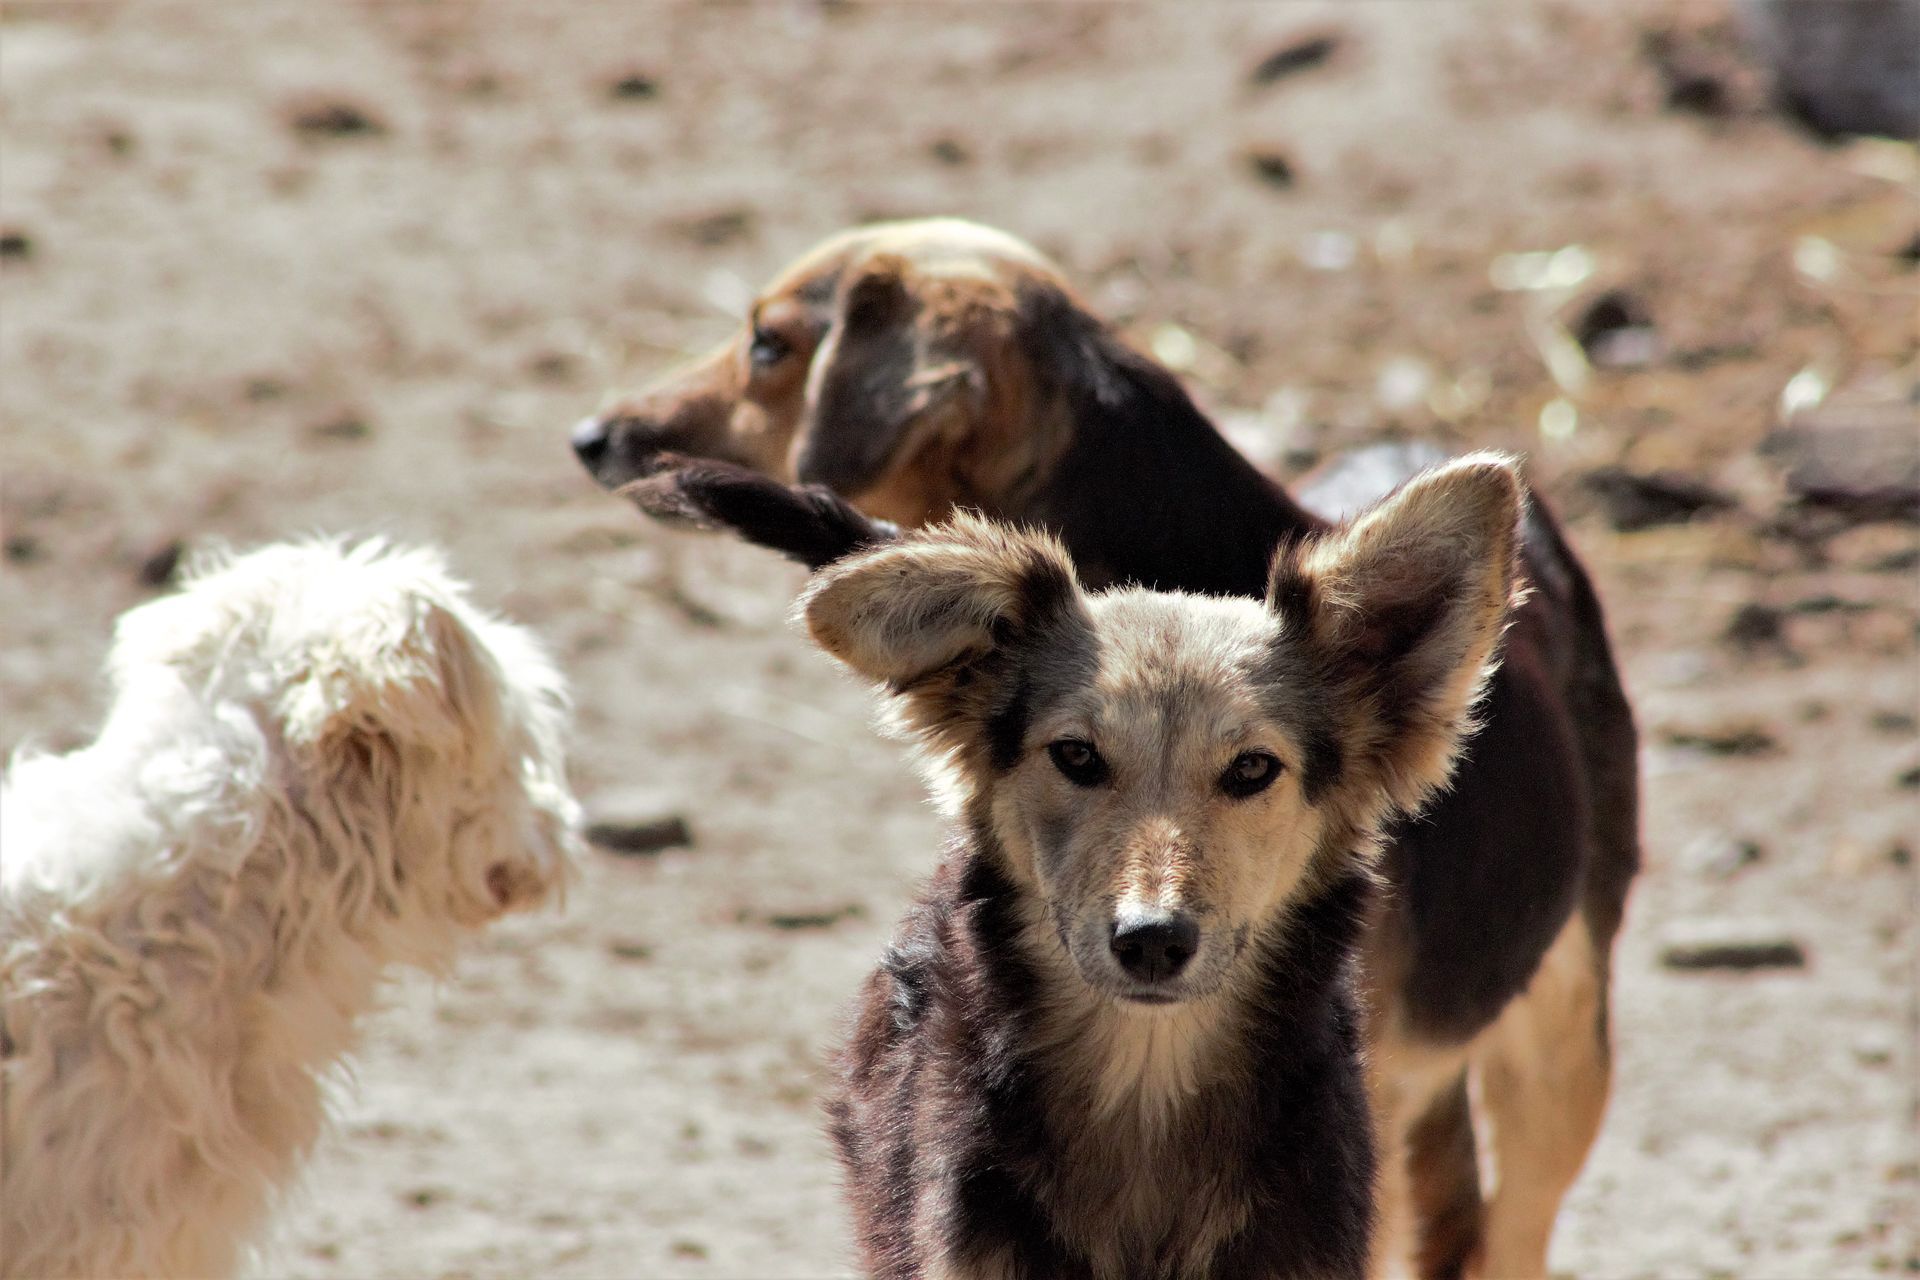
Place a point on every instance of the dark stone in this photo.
(158, 566)
(816, 919)
(1616, 331)
(1271, 166)
(635, 822)
(1733, 740)
(1757, 626)
(1303, 52)
(712, 230)
(634, 86)
(335, 118)
(1634, 502)
(1842, 68)
(1728, 945)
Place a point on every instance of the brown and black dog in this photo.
(918, 367)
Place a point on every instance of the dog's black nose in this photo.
(590, 439)
(1155, 946)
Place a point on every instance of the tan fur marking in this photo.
(1541, 1073)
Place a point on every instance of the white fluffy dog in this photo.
(320, 762)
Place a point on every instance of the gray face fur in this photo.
(1140, 758)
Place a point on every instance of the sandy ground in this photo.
(220, 324)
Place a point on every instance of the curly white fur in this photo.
(320, 761)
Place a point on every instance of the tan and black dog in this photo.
(1118, 1038)
(919, 367)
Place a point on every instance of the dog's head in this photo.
(415, 741)
(1163, 775)
(892, 364)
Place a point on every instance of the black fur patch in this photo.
(807, 523)
(1006, 728)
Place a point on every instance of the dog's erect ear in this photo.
(921, 607)
(1404, 607)
(879, 379)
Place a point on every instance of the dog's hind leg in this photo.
(1539, 1079)
(1443, 1169)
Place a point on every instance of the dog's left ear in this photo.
(883, 374)
(1404, 608)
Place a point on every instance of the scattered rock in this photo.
(1851, 68)
(1886, 720)
(629, 949)
(711, 230)
(635, 822)
(1909, 252)
(1701, 69)
(1691, 945)
(950, 151)
(343, 427)
(634, 86)
(816, 919)
(15, 244)
(1720, 857)
(552, 366)
(1302, 52)
(1634, 502)
(334, 118)
(1616, 331)
(1908, 780)
(423, 1197)
(261, 388)
(22, 548)
(1905, 560)
(1732, 740)
(1757, 626)
(1900, 855)
(1874, 1047)
(1827, 602)
(158, 566)
(1854, 456)
(1271, 165)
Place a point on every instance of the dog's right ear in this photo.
(916, 609)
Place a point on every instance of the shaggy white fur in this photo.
(321, 761)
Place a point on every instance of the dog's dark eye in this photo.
(1250, 773)
(1078, 760)
(767, 349)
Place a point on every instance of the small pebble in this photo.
(1271, 165)
(1719, 857)
(335, 118)
(816, 919)
(1301, 53)
(157, 566)
(1731, 740)
(634, 86)
(635, 821)
(1728, 945)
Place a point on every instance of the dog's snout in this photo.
(1154, 946)
(591, 436)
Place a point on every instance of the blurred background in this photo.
(277, 268)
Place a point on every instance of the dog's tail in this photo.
(808, 523)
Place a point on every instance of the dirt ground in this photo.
(277, 268)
